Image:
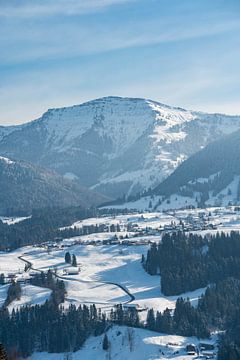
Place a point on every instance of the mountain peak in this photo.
(117, 145)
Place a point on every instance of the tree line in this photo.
(45, 223)
(52, 328)
(189, 262)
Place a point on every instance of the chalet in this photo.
(134, 306)
(72, 270)
(206, 346)
(191, 349)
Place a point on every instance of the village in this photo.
(108, 268)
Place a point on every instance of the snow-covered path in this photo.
(65, 278)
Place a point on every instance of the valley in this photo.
(109, 271)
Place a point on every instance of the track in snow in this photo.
(123, 288)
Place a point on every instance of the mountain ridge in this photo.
(116, 146)
(210, 177)
(25, 187)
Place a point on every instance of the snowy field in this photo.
(151, 219)
(102, 269)
(10, 263)
(134, 344)
(113, 274)
(30, 295)
(209, 220)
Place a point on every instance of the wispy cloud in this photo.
(28, 42)
(26, 8)
(183, 53)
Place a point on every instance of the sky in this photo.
(56, 53)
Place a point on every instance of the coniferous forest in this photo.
(189, 262)
(52, 328)
(44, 224)
(186, 263)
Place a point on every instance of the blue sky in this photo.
(58, 53)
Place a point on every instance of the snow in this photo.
(104, 264)
(142, 219)
(30, 295)
(3, 294)
(103, 295)
(6, 160)
(13, 220)
(104, 267)
(10, 263)
(108, 113)
(106, 270)
(227, 195)
(70, 176)
(146, 139)
(175, 201)
(134, 344)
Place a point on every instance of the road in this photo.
(64, 278)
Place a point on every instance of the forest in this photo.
(52, 328)
(189, 262)
(44, 224)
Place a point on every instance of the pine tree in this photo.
(68, 258)
(150, 320)
(2, 279)
(105, 344)
(74, 260)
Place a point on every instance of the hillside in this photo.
(25, 187)
(211, 176)
(115, 145)
(131, 343)
(208, 178)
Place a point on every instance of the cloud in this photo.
(26, 8)
(30, 41)
(181, 55)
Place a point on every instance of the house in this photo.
(206, 346)
(191, 349)
(72, 270)
(130, 306)
(134, 306)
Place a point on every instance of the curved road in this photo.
(124, 289)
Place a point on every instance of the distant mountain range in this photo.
(116, 146)
(25, 187)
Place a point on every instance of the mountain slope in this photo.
(115, 145)
(211, 176)
(130, 343)
(25, 187)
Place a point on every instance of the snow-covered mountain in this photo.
(115, 145)
(25, 187)
(211, 177)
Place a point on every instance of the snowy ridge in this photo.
(116, 145)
